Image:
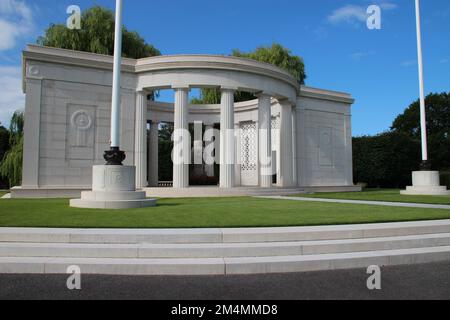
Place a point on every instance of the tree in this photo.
(385, 160)
(4, 141)
(438, 127)
(97, 36)
(276, 55)
(16, 127)
(4, 147)
(11, 165)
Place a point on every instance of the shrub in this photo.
(445, 178)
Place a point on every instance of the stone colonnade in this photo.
(146, 149)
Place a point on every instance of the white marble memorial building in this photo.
(304, 132)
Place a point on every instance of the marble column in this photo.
(153, 155)
(227, 143)
(181, 139)
(294, 147)
(140, 145)
(265, 141)
(286, 164)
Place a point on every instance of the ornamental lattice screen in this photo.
(249, 154)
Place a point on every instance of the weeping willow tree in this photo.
(276, 55)
(11, 165)
(97, 36)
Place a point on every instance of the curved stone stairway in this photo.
(222, 251)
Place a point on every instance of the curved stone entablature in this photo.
(183, 71)
(68, 101)
(200, 71)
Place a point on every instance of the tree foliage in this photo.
(97, 36)
(4, 147)
(11, 165)
(276, 55)
(4, 141)
(438, 127)
(385, 160)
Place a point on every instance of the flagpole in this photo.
(115, 156)
(425, 181)
(423, 119)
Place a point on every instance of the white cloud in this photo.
(11, 96)
(349, 14)
(353, 14)
(16, 20)
(388, 6)
(409, 63)
(358, 56)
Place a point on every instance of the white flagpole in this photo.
(423, 120)
(116, 99)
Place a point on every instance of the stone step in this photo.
(216, 192)
(237, 235)
(220, 250)
(227, 266)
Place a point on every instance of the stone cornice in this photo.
(78, 58)
(177, 62)
(213, 62)
(309, 92)
(159, 63)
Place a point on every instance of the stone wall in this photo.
(71, 126)
(324, 143)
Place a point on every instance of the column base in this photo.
(113, 187)
(426, 183)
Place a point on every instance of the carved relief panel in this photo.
(325, 146)
(81, 132)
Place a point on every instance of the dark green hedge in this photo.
(385, 160)
(445, 178)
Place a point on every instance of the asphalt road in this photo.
(430, 281)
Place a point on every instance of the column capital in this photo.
(228, 89)
(286, 101)
(264, 94)
(181, 88)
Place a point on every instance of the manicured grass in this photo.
(390, 195)
(203, 213)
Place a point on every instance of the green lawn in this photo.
(202, 213)
(382, 195)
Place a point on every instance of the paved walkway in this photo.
(428, 281)
(373, 203)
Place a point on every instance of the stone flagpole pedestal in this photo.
(426, 183)
(114, 185)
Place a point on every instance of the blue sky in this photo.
(378, 67)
